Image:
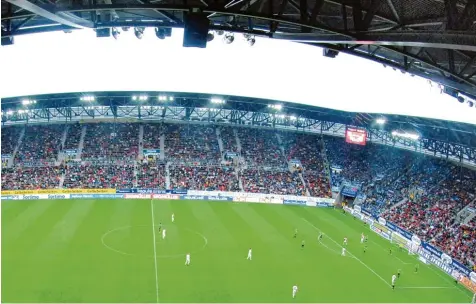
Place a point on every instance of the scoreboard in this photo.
(356, 136)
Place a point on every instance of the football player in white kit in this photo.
(295, 290)
(163, 234)
(362, 238)
(474, 299)
(343, 251)
(345, 241)
(249, 255)
(394, 278)
(173, 217)
(187, 259)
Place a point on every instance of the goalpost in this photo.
(404, 243)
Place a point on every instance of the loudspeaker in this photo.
(7, 40)
(330, 53)
(195, 30)
(103, 32)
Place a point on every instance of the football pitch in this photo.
(109, 251)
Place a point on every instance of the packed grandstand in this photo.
(423, 194)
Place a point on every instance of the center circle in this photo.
(138, 241)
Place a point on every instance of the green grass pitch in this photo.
(102, 251)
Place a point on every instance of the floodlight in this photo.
(115, 33)
(216, 100)
(229, 38)
(210, 36)
(381, 121)
(160, 33)
(27, 102)
(250, 39)
(406, 135)
(139, 32)
(88, 98)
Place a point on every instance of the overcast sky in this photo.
(80, 62)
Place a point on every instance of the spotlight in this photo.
(210, 37)
(229, 38)
(381, 121)
(115, 33)
(139, 32)
(27, 102)
(88, 98)
(250, 39)
(160, 33)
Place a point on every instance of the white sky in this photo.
(280, 70)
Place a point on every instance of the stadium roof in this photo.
(435, 39)
(444, 131)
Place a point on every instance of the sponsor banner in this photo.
(422, 259)
(433, 259)
(471, 209)
(137, 196)
(97, 195)
(57, 191)
(358, 208)
(11, 197)
(193, 197)
(382, 221)
(294, 202)
(218, 198)
(329, 201)
(366, 212)
(321, 204)
(416, 240)
(310, 204)
(472, 276)
(70, 151)
(379, 231)
(6, 156)
(253, 199)
(468, 283)
(145, 190)
(406, 234)
(433, 250)
(166, 196)
(179, 192)
(460, 267)
(446, 259)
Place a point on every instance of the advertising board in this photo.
(57, 191)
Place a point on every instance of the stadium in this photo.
(258, 151)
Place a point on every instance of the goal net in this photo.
(404, 244)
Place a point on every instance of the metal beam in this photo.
(48, 14)
(445, 40)
(394, 11)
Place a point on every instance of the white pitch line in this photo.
(429, 287)
(155, 251)
(380, 277)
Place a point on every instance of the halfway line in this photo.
(155, 250)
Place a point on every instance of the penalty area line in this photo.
(379, 276)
